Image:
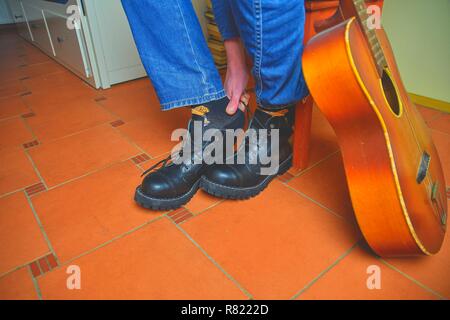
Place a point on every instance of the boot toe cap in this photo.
(156, 186)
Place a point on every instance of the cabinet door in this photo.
(38, 28)
(20, 19)
(68, 44)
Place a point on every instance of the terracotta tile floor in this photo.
(71, 156)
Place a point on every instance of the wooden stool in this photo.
(316, 10)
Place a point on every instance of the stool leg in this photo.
(302, 133)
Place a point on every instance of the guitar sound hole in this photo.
(390, 92)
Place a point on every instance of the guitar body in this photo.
(392, 167)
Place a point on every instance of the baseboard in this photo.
(430, 102)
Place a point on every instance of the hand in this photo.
(236, 79)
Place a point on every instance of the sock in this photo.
(288, 112)
(215, 116)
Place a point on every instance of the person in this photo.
(176, 57)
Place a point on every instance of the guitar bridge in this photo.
(423, 167)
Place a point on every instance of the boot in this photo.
(169, 185)
(248, 179)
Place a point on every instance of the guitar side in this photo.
(379, 141)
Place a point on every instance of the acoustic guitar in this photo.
(392, 167)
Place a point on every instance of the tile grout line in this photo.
(69, 180)
(214, 262)
(44, 233)
(325, 271)
(420, 284)
(25, 123)
(434, 118)
(24, 265)
(11, 117)
(318, 203)
(35, 284)
(120, 132)
(203, 211)
(110, 241)
(302, 172)
(68, 135)
(4, 195)
(88, 173)
(130, 141)
(439, 131)
(36, 170)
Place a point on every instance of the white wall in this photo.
(419, 31)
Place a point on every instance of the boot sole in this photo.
(236, 193)
(164, 204)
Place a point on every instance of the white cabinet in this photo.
(101, 50)
(68, 44)
(119, 59)
(20, 19)
(38, 27)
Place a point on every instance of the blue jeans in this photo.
(177, 59)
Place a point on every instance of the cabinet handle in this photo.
(18, 17)
(60, 39)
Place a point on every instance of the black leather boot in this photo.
(248, 179)
(168, 185)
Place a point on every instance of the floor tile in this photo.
(11, 75)
(16, 170)
(429, 114)
(9, 61)
(441, 123)
(39, 69)
(128, 86)
(17, 285)
(55, 121)
(11, 88)
(63, 94)
(201, 201)
(20, 235)
(442, 143)
(326, 183)
(13, 106)
(49, 82)
(73, 156)
(88, 212)
(431, 271)
(323, 141)
(155, 262)
(14, 133)
(133, 104)
(153, 132)
(35, 57)
(274, 244)
(348, 281)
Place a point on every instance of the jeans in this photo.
(176, 57)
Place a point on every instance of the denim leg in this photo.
(174, 52)
(224, 19)
(273, 31)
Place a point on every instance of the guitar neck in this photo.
(371, 35)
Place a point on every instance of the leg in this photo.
(272, 32)
(174, 52)
(302, 133)
(177, 59)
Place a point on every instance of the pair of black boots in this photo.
(264, 153)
